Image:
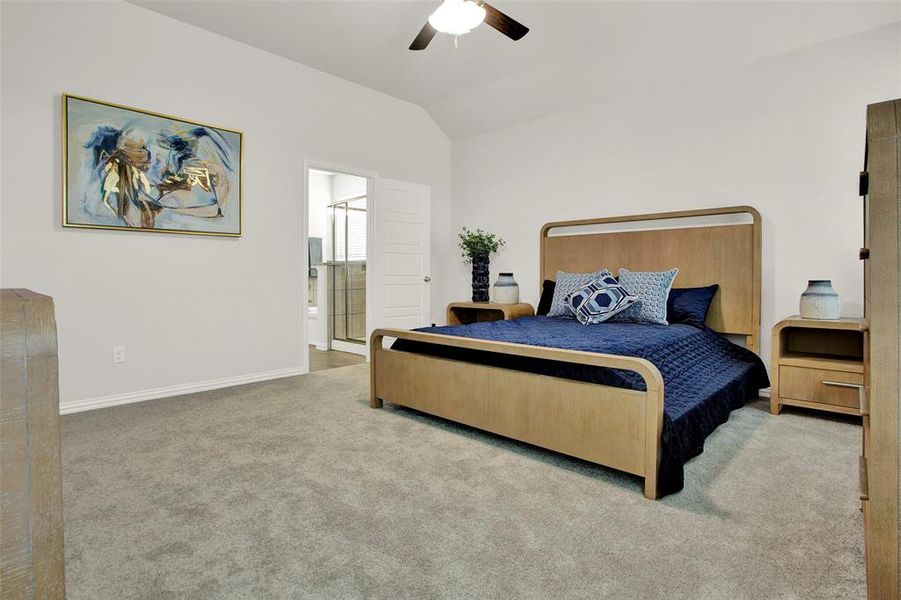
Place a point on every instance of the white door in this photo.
(400, 259)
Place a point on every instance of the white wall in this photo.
(345, 187)
(188, 309)
(319, 225)
(785, 135)
(320, 198)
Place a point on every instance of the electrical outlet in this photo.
(118, 354)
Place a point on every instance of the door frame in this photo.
(370, 176)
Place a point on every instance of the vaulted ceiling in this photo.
(576, 53)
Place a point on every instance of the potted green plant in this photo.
(477, 247)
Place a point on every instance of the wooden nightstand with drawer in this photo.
(818, 364)
(463, 313)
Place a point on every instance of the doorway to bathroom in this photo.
(366, 243)
(338, 228)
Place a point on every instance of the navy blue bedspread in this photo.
(705, 376)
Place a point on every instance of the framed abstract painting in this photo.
(134, 170)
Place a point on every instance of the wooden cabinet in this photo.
(818, 364)
(462, 313)
(879, 463)
(31, 509)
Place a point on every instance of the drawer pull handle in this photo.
(856, 386)
(864, 402)
(863, 482)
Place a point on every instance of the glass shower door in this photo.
(349, 271)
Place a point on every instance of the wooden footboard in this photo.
(611, 426)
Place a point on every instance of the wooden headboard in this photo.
(715, 245)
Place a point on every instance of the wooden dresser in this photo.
(880, 187)
(31, 507)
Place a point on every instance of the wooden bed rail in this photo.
(597, 407)
(651, 375)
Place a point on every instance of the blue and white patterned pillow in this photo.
(652, 288)
(599, 300)
(567, 283)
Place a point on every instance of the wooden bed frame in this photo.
(615, 427)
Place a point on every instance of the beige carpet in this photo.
(297, 489)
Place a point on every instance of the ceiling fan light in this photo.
(457, 17)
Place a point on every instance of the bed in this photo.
(638, 398)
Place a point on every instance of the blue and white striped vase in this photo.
(506, 290)
(820, 301)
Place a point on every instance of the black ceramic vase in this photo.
(480, 279)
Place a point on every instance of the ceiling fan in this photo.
(457, 17)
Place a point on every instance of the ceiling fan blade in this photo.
(425, 36)
(511, 28)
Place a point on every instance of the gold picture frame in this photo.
(141, 170)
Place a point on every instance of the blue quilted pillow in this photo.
(567, 283)
(599, 300)
(652, 288)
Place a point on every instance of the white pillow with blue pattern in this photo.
(652, 288)
(566, 284)
(599, 300)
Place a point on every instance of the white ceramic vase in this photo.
(820, 301)
(506, 290)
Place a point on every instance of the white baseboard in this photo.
(320, 345)
(175, 390)
(765, 393)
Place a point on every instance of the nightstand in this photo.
(818, 364)
(463, 313)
